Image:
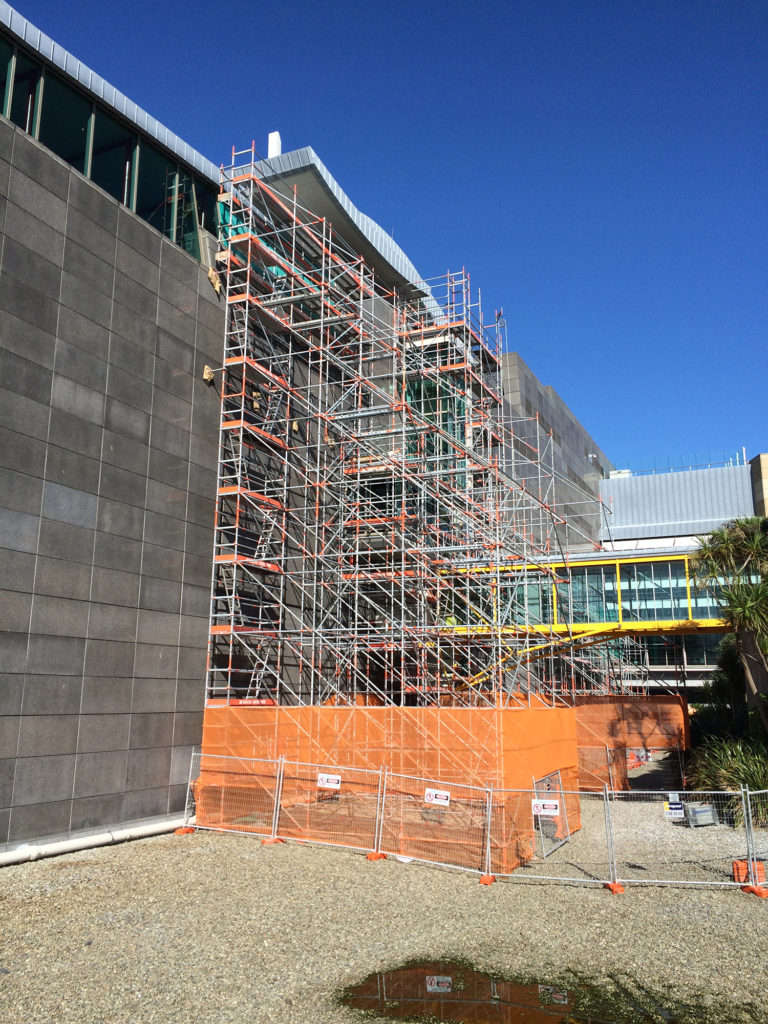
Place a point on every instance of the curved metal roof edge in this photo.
(112, 98)
(306, 158)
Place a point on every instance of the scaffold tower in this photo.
(371, 497)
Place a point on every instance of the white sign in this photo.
(439, 983)
(328, 781)
(441, 797)
(673, 811)
(546, 808)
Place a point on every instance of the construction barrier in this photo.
(548, 832)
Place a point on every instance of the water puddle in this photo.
(443, 992)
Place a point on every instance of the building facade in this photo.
(107, 455)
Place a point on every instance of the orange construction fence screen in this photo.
(609, 726)
(316, 774)
(503, 747)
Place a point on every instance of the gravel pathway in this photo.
(216, 928)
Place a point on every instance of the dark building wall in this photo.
(107, 480)
(579, 463)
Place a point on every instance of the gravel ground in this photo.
(217, 928)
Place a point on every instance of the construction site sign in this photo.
(439, 983)
(325, 781)
(439, 797)
(546, 808)
(673, 810)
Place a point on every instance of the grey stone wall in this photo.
(107, 479)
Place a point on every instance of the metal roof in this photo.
(316, 186)
(689, 502)
(110, 97)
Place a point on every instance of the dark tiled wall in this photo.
(107, 480)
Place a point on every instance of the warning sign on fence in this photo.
(548, 994)
(546, 808)
(673, 810)
(439, 983)
(440, 797)
(325, 781)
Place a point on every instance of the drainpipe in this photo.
(36, 851)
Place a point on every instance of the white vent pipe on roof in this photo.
(274, 145)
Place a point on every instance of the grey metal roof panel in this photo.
(676, 504)
(298, 160)
(112, 98)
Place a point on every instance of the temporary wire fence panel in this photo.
(329, 804)
(550, 814)
(441, 823)
(758, 813)
(233, 794)
(689, 838)
(659, 837)
(579, 853)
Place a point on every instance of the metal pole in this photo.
(379, 796)
(746, 804)
(609, 837)
(489, 801)
(381, 811)
(189, 788)
(278, 795)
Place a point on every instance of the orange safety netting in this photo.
(461, 750)
(653, 721)
(610, 726)
(504, 747)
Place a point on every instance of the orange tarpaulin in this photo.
(506, 748)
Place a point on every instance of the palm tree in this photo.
(733, 564)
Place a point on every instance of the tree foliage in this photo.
(732, 563)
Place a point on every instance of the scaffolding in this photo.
(371, 498)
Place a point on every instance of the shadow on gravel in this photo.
(444, 992)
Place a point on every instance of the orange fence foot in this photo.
(183, 831)
(756, 890)
(376, 856)
(614, 887)
(487, 879)
(271, 841)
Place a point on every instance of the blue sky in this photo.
(598, 165)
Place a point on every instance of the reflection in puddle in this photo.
(439, 991)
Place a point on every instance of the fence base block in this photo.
(614, 887)
(185, 831)
(487, 879)
(373, 855)
(271, 841)
(756, 890)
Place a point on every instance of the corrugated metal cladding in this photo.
(693, 501)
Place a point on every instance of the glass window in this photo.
(64, 121)
(156, 189)
(206, 206)
(112, 161)
(25, 82)
(6, 52)
(186, 216)
(654, 591)
(590, 596)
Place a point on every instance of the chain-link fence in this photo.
(657, 837)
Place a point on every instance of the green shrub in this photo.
(727, 764)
